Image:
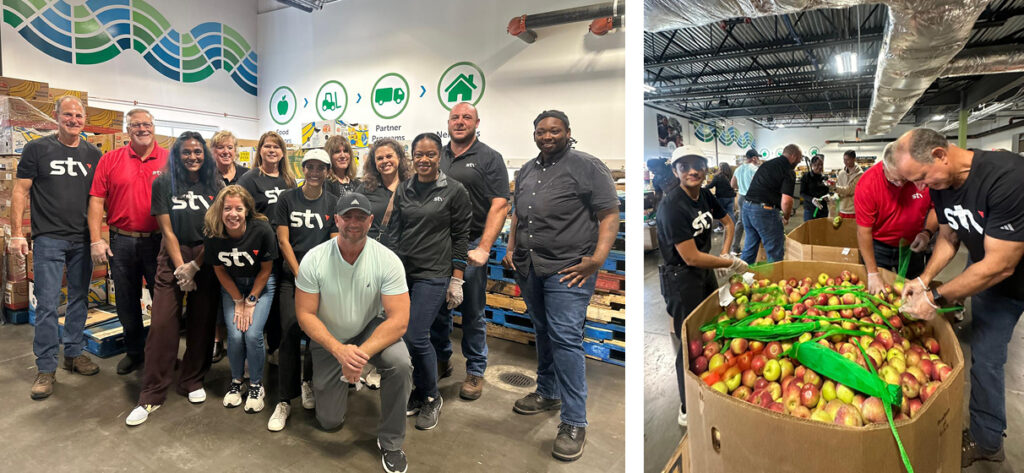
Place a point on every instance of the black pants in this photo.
(134, 259)
(292, 369)
(888, 257)
(683, 289)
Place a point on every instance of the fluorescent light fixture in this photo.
(939, 117)
(782, 125)
(846, 63)
(853, 121)
(650, 89)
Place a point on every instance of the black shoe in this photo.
(393, 460)
(971, 452)
(414, 405)
(129, 364)
(430, 411)
(569, 442)
(534, 403)
(218, 352)
(444, 369)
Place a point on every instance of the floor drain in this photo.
(518, 380)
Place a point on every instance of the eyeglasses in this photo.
(429, 154)
(140, 125)
(699, 167)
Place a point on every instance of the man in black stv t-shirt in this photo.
(770, 191)
(685, 218)
(978, 200)
(57, 171)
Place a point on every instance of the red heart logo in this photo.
(89, 164)
(255, 252)
(981, 213)
(210, 196)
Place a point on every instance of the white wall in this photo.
(1001, 140)
(127, 78)
(357, 41)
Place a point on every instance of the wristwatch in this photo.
(251, 300)
(939, 299)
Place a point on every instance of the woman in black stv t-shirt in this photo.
(342, 175)
(303, 219)
(433, 214)
(180, 199)
(242, 249)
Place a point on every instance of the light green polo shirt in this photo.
(350, 293)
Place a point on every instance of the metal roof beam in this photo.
(768, 91)
(757, 50)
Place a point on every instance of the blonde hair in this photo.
(335, 144)
(283, 167)
(213, 222)
(224, 135)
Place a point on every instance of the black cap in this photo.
(752, 153)
(353, 200)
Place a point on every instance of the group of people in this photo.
(367, 269)
(925, 193)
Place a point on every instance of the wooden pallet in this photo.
(504, 333)
(515, 304)
(502, 287)
(606, 316)
(610, 301)
(680, 461)
(611, 283)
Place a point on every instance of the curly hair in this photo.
(371, 176)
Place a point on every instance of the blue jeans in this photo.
(426, 296)
(248, 345)
(558, 313)
(729, 204)
(134, 258)
(50, 255)
(737, 239)
(762, 225)
(992, 320)
(474, 325)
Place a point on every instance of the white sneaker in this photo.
(197, 396)
(254, 399)
(372, 379)
(140, 414)
(280, 417)
(682, 418)
(308, 399)
(234, 396)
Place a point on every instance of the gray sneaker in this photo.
(534, 403)
(569, 442)
(429, 413)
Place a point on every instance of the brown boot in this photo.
(472, 387)
(82, 364)
(43, 386)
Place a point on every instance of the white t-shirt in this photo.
(350, 294)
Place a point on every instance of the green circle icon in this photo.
(328, 101)
(281, 110)
(390, 100)
(466, 86)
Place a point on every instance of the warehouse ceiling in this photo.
(782, 69)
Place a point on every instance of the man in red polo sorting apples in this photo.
(684, 236)
(978, 201)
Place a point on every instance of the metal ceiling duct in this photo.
(994, 60)
(921, 38)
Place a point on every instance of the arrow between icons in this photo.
(423, 90)
(305, 102)
(358, 97)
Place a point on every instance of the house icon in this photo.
(461, 89)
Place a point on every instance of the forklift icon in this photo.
(330, 102)
(388, 94)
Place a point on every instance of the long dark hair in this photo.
(725, 170)
(208, 174)
(371, 176)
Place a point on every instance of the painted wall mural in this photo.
(96, 31)
(726, 136)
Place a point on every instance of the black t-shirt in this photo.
(243, 257)
(812, 185)
(61, 179)
(187, 204)
(989, 203)
(239, 172)
(772, 179)
(265, 190)
(681, 218)
(379, 198)
(309, 222)
(722, 186)
(338, 188)
(481, 170)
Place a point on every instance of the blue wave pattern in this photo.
(99, 30)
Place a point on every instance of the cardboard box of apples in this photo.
(753, 406)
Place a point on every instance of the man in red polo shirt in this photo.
(891, 212)
(123, 186)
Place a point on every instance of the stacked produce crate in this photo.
(605, 328)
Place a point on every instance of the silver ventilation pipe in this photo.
(993, 60)
(921, 37)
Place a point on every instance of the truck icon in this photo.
(388, 94)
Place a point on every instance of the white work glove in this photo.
(454, 295)
(186, 285)
(921, 242)
(817, 202)
(100, 250)
(918, 306)
(185, 275)
(738, 266)
(912, 288)
(875, 283)
(18, 246)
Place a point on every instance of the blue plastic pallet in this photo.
(605, 352)
(499, 273)
(509, 319)
(17, 317)
(601, 332)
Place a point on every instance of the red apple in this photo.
(915, 406)
(929, 389)
(748, 378)
(777, 407)
(931, 344)
(760, 384)
(791, 396)
(911, 386)
(756, 346)
(742, 393)
(849, 298)
(757, 363)
(711, 349)
(737, 289)
(773, 349)
(801, 412)
(849, 416)
(708, 336)
(928, 367)
(884, 336)
(700, 364)
(775, 390)
(809, 395)
(917, 373)
(738, 345)
(944, 371)
(810, 377)
(873, 411)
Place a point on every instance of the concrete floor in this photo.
(81, 426)
(661, 394)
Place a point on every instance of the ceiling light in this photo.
(853, 121)
(846, 63)
(782, 125)
(939, 117)
(650, 89)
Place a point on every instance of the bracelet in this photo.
(97, 241)
(17, 238)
